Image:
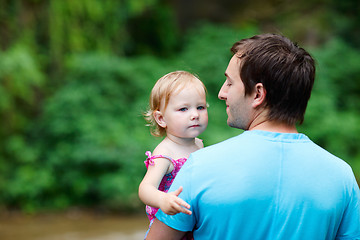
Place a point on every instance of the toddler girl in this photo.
(177, 111)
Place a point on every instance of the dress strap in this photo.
(150, 159)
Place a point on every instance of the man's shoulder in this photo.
(319, 152)
(223, 146)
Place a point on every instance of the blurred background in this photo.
(75, 78)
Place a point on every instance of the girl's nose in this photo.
(194, 115)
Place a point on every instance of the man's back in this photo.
(267, 186)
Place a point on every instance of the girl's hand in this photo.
(171, 204)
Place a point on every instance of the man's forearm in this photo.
(159, 230)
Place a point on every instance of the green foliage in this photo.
(74, 26)
(20, 75)
(20, 79)
(94, 130)
(146, 39)
(345, 20)
(332, 118)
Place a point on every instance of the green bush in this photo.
(332, 118)
(94, 136)
(20, 80)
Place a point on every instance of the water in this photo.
(73, 226)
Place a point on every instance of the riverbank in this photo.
(72, 225)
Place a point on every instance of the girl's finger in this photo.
(183, 203)
(183, 206)
(178, 191)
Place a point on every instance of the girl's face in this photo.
(186, 113)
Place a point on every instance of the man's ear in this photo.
(259, 95)
(159, 118)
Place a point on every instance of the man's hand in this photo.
(171, 204)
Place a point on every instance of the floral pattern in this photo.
(167, 179)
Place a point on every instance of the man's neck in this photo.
(262, 123)
(273, 126)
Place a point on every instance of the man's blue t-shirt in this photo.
(265, 185)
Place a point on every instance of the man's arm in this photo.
(160, 230)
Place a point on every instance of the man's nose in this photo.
(222, 94)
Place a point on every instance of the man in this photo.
(270, 182)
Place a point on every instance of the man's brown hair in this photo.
(286, 71)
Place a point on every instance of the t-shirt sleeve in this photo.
(181, 221)
(350, 224)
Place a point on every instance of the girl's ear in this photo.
(259, 95)
(159, 118)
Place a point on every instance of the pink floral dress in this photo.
(167, 179)
(164, 185)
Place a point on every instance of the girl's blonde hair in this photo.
(161, 92)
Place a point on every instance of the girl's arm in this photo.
(169, 203)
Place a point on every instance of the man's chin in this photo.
(230, 123)
(235, 125)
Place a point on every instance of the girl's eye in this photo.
(182, 109)
(200, 108)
